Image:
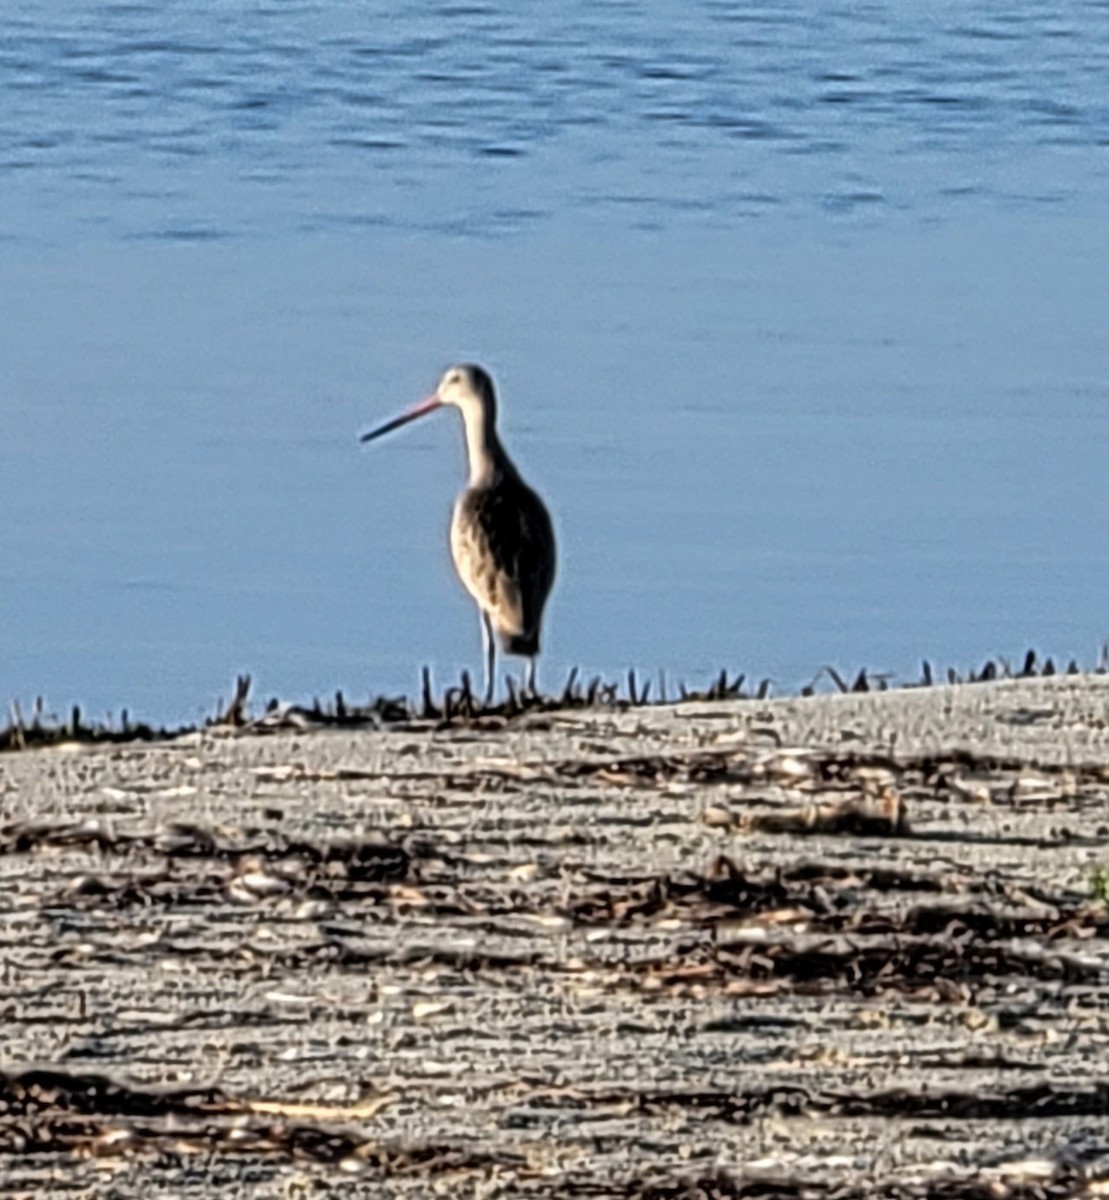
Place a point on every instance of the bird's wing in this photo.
(504, 549)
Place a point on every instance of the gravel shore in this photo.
(836, 946)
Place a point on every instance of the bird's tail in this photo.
(525, 644)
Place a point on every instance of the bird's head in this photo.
(466, 386)
(469, 388)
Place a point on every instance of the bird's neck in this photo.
(487, 457)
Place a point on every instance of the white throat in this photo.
(483, 449)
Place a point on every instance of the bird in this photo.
(501, 537)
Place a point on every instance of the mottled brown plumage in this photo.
(502, 541)
(503, 549)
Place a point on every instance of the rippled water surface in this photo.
(799, 315)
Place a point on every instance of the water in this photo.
(799, 319)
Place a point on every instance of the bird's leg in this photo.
(529, 686)
(490, 657)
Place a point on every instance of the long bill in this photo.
(417, 410)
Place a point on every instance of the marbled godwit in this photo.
(502, 542)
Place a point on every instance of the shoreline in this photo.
(459, 704)
(853, 944)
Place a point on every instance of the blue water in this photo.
(799, 317)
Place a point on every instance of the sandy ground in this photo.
(840, 946)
